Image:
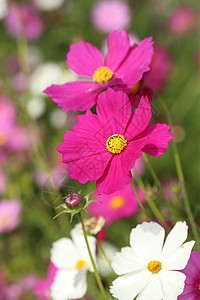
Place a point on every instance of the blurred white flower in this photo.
(150, 269)
(46, 74)
(58, 118)
(72, 260)
(36, 107)
(3, 8)
(48, 4)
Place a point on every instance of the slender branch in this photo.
(92, 260)
(104, 254)
(139, 201)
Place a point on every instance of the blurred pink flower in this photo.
(3, 182)
(192, 283)
(118, 205)
(160, 67)
(86, 60)
(20, 139)
(104, 147)
(172, 188)
(21, 289)
(111, 15)
(9, 214)
(43, 286)
(23, 20)
(183, 20)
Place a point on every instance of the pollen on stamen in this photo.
(154, 266)
(102, 75)
(80, 264)
(116, 143)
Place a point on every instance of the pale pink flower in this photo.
(10, 211)
(183, 20)
(23, 20)
(111, 15)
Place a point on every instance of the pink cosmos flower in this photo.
(192, 283)
(104, 147)
(43, 286)
(23, 20)
(111, 15)
(118, 205)
(9, 214)
(183, 20)
(124, 66)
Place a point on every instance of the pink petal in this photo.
(114, 111)
(157, 136)
(117, 174)
(139, 119)
(114, 177)
(84, 150)
(136, 63)
(118, 46)
(89, 168)
(84, 58)
(73, 95)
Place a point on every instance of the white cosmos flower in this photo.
(71, 258)
(149, 269)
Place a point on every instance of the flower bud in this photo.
(74, 201)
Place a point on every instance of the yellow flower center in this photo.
(2, 138)
(117, 202)
(116, 143)
(80, 264)
(136, 88)
(154, 266)
(102, 75)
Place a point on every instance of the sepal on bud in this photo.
(74, 203)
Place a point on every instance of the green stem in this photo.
(180, 172)
(92, 260)
(157, 182)
(139, 201)
(104, 254)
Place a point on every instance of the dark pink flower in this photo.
(43, 286)
(183, 20)
(10, 211)
(118, 205)
(192, 283)
(160, 67)
(124, 66)
(104, 147)
(23, 20)
(111, 15)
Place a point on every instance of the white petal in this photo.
(172, 283)
(64, 253)
(79, 241)
(129, 286)
(80, 285)
(175, 239)
(127, 261)
(147, 240)
(63, 284)
(178, 260)
(153, 290)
